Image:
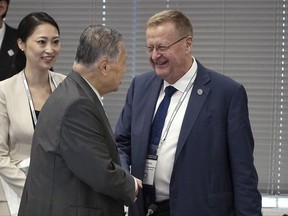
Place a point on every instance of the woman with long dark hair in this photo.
(21, 99)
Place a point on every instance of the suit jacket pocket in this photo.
(220, 200)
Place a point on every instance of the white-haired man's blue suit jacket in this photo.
(213, 172)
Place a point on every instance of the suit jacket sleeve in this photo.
(14, 132)
(123, 131)
(90, 152)
(241, 146)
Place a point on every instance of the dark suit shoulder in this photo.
(147, 75)
(10, 30)
(10, 37)
(146, 80)
(216, 78)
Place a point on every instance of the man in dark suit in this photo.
(203, 165)
(8, 46)
(75, 168)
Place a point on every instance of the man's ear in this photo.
(103, 65)
(189, 43)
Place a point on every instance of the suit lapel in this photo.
(198, 97)
(7, 52)
(152, 96)
(7, 43)
(23, 115)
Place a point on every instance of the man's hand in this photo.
(138, 184)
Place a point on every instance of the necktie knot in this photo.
(169, 91)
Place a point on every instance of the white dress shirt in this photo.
(2, 32)
(167, 150)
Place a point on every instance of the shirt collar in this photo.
(181, 84)
(95, 90)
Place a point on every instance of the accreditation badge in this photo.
(149, 171)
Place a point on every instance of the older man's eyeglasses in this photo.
(162, 48)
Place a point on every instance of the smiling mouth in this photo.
(48, 58)
(160, 63)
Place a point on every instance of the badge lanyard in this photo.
(30, 96)
(151, 161)
(184, 94)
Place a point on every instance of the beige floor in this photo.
(265, 211)
(274, 212)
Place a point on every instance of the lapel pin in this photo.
(200, 91)
(10, 52)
